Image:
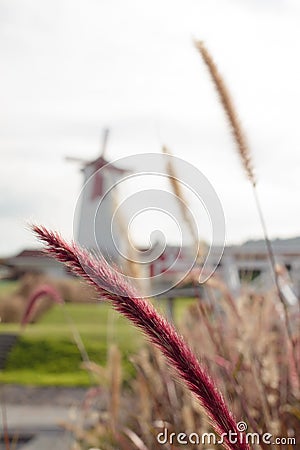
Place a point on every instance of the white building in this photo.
(95, 228)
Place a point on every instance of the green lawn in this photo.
(47, 355)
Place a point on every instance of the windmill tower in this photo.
(97, 205)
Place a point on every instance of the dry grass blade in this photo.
(115, 370)
(137, 441)
(244, 152)
(184, 208)
(132, 267)
(183, 204)
(229, 109)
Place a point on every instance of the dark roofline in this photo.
(31, 253)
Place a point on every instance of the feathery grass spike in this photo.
(112, 286)
(229, 109)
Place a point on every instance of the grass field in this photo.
(47, 355)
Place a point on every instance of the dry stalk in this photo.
(183, 205)
(245, 156)
(132, 267)
(230, 111)
(115, 371)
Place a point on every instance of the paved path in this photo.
(38, 396)
(27, 417)
(38, 412)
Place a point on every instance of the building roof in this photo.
(31, 253)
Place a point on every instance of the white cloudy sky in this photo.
(71, 67)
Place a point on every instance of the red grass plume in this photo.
(38, 293)
(112, 286)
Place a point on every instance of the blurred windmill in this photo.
(97, 204)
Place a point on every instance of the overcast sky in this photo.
(71, 67)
